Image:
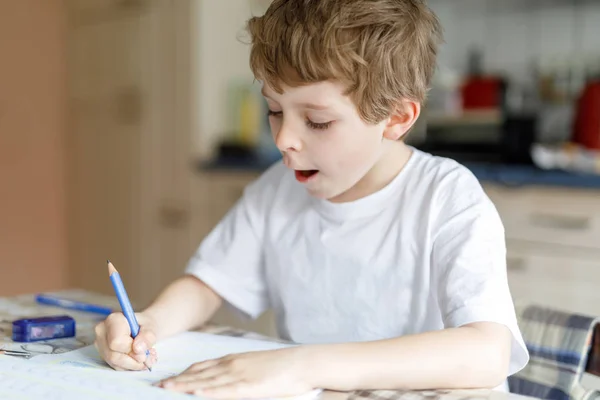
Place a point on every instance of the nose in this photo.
(287, 140)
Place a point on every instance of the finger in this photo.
(144, 341)
(117, 361)
(104, 351)
(100, 329)
(140, 357)
(120, 361)
(151, 360)
(143, 357)
(190, 375)
(100, 340)
(203, 375)
(196, 386)
(201, 366)
(118, 334)
(150, 357)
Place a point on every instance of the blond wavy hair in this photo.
(383, 51)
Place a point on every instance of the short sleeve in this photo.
(230, 258)
(469, 261)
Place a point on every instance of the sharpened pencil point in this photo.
(111, 269)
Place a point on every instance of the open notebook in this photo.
(82, 373)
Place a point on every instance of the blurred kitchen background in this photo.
(128, 128)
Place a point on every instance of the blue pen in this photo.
(126, 307)
(72, 304)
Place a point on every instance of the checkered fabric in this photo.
(425, 395)
(558, 344)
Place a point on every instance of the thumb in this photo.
(144, 341)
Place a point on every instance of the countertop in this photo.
(529, 175)
(504, 174)
(24, 306)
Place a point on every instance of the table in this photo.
(12, 308)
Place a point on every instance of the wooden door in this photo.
(129, 68)
(105, 105)
(167, 156)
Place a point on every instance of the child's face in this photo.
(323, 139)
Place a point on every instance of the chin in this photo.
(324, 191)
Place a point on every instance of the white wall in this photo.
(221, 59)
(514, 33)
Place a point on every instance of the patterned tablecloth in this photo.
(12, 308)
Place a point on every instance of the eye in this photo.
(320, 126)
(274, 113)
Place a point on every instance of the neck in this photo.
(389, 165)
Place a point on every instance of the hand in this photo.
(260, 374)
(119, 350)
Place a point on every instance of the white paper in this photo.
(24, 379)
(174, 356)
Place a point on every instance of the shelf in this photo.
(483, 117)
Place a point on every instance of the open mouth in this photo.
(306, 175)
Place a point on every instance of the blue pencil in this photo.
(126, 307)
(72, 304)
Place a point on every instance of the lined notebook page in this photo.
(23, 379)
(175, 355)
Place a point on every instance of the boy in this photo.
(386, 264)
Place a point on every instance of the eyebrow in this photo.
(312, 106)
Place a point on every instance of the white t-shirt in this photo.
(424, 253)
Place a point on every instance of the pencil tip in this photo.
(111, 268)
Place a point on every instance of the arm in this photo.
(472, 356)
(185, 304)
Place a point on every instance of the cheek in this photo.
(275, 125)
(356, 149)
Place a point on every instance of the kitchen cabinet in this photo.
(561, 281)
(553, 245)
(564, 217)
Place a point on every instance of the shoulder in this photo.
(443, 174)
(447, 182)
(451, 192)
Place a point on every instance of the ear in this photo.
(402, 120)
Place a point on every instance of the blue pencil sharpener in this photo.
(43, 328)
